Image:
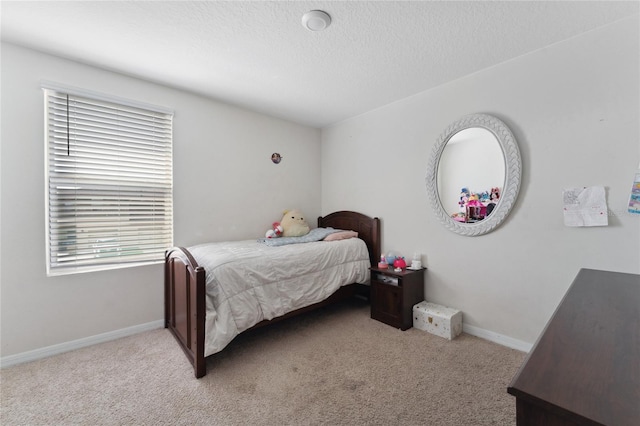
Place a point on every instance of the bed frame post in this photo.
(375, 244)
(185, 305)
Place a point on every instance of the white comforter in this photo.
(248, 282)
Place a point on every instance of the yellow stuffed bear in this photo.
(293, 224)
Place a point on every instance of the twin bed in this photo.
(215, 291)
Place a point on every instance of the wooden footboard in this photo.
(185, 287)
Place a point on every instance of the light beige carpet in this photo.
(335, 366)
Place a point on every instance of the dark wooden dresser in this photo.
(585, 367)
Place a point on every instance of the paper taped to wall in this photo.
(585, 206)
(634, 198)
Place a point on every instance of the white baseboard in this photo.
(497, 338)
(48, 351)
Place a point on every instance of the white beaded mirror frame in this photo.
(513, 174)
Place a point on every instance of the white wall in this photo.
(221, 153)
(574, 110)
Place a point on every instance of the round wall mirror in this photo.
(474, 173)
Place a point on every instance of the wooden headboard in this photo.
(368, 229)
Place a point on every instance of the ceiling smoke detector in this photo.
(316, 20)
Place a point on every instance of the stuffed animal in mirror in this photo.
(293, 224)
(495, 194)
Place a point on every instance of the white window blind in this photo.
(109, 178)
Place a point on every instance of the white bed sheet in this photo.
(248, 282)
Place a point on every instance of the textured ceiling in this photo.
(257, 55)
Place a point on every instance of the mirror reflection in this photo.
(471, 175)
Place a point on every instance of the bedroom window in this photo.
(108, 181)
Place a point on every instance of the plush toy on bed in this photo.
(293, 224)
(275, 231)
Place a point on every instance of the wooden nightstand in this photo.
(393, 295)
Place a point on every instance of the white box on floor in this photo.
(437, 319)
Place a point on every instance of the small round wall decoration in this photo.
(276, 158)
